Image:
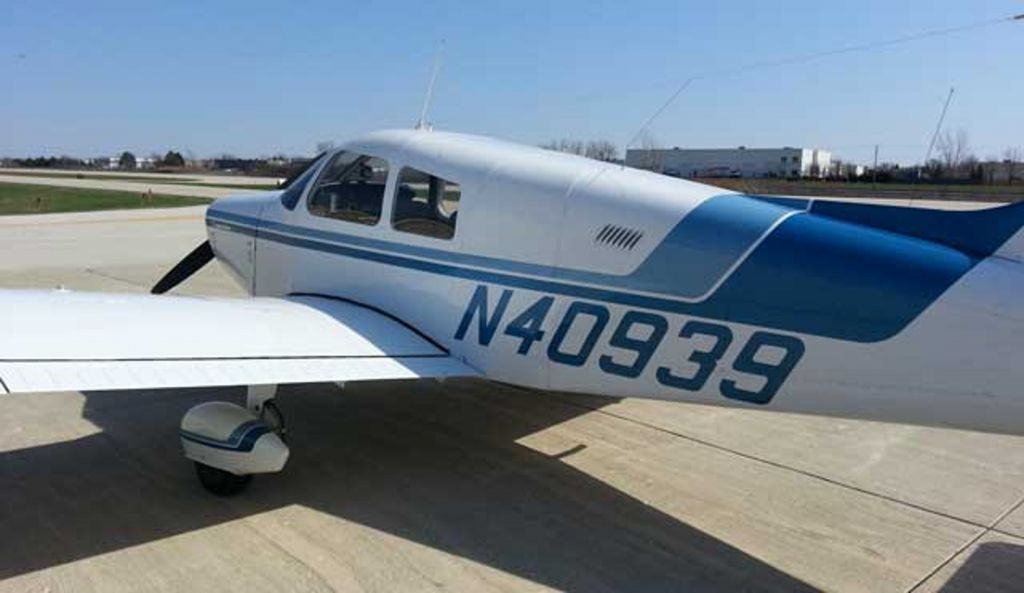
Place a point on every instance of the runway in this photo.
(471, 486)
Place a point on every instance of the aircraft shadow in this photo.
(437, 465)
(992, 567)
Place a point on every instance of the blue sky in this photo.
(256, 78)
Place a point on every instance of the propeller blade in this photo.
(192, 263)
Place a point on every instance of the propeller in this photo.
(192, 263)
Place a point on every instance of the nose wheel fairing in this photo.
(229, 443)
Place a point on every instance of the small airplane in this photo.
(415, 254)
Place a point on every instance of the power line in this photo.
(660, 110)
(803, 58)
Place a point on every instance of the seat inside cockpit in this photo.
(426, 204)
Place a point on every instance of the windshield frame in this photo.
(291, 194)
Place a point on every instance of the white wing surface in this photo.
(59, 341)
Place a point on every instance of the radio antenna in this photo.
(422, 124)
(935, 139)
(938, 127)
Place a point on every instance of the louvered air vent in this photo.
(617, 236)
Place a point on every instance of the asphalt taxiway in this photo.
(470, 486)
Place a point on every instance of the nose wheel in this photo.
(230, 443)
(220, 482)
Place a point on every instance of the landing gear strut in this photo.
(272, 416)
(257, 396)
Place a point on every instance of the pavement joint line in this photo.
(983, 529)
(114, 278)
(945, 561)
(990, 528)
(784, 467)
(255, 528)
(999, 531)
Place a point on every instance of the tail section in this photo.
(978, 233)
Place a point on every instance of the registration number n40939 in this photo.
(627, 347)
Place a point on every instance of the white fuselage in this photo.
(531, 290)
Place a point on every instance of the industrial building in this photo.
(734, 162)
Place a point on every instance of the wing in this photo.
(59, 341)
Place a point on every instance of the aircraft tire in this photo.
(220, 482)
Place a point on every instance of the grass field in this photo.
(17, 198)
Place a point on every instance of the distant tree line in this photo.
(126, 160)
(954, 161)
(601, 150)
(278, 166)
(172, 160)
(46, 162)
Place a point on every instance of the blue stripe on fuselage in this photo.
(836, 279)
(811, 274)
(701, 249)
(976, 232)
(692, 258)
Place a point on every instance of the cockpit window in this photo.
(296, 184)
(425, 204)
(351, 188)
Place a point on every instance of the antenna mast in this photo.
(935, 139)
(422, 124)
(938, 128)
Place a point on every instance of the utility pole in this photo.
(874, 171)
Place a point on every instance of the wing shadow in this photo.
(996, 567)
(436, 465)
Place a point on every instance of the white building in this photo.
(733, 162)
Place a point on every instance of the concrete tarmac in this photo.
(470, 486)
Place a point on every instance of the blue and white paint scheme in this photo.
(567, 274)
(877, 312)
